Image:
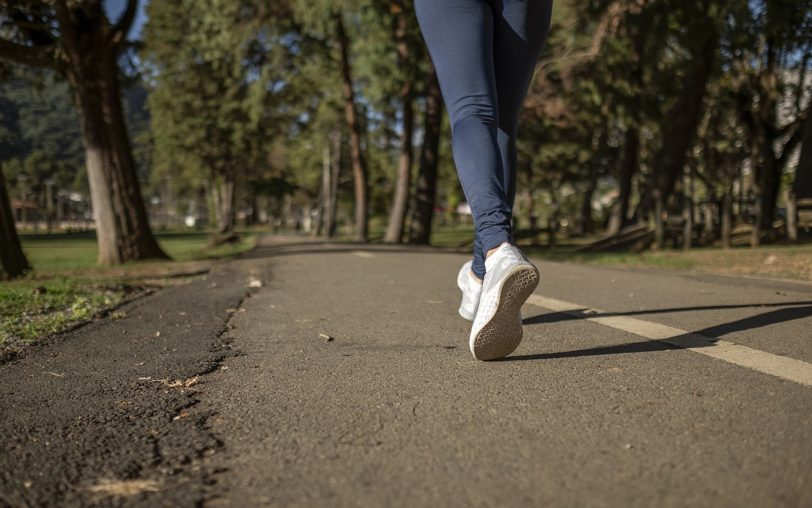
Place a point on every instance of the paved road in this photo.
(589, 411)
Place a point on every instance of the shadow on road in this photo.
(701, 338)
(646, 346)
(555, 317)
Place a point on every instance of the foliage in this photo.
(250, 91)
(618, 66)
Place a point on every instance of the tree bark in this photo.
(331, 157)
(13, 262)
(400, 204)
(770, 156)
(769, 186)
(682, 122)
(425, 193)
(631, 160)
(552, 219)
(727, 217)
(631, 146)
(359, 168)
(224, 196)
(397, 214)
(792, 216)
(532, 211)
(659, 222)
(687, 212)
(584, 225)
(335, 168)
(708, 222)
(802, 186)
(122, 226)
(324, 192)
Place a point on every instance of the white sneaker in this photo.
(510, 278)
(471, 289)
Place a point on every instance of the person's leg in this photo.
(459, 35)
(520, 30)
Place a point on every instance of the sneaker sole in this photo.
(503, 333)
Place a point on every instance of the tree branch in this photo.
(66, 27)
(607, 25)
(122, 27)
(794, 139)
(36, 56)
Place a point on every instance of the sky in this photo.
(114, 8)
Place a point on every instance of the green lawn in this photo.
(65, 286)
(777, 260)
(63, 252)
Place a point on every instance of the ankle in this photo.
(488, 254)
(475, 277)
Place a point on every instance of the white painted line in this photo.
(780, 366)
(362, 254)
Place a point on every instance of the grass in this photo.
(31, 308)
(77, 252)
(66, 287)
(775, 261)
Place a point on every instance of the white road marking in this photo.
(780, 366)
(362, 254)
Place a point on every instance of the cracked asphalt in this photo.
(93, 408)
(392, 410)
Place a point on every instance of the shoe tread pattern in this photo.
(502, 334)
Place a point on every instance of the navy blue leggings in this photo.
(484, 52)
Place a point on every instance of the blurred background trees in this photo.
(649, 124)
(78, 42)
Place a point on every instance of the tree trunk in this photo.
(792, 216)
(532, 210)
(727, 217)
(802, 186)
(224, 196)
(49, 204)
(252, 220)
(425, 193)
(659, 222)
(682, 121)
(769, 156)
(769, 184)
(708, 223)
(553, 217)
(631, 146)
(400, 204)
(687, 212)
(331, 157)
(12, 259)
(631, 158)
(202, 207)
(324, 193)
(599, 147)
(585, 226)
(359, 169)
(758, 221)
(122, 227)
(397, 214)
(335, 168)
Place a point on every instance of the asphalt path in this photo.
(346, 380)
